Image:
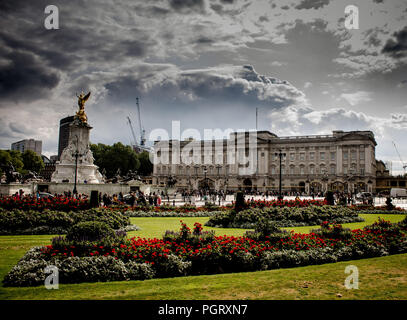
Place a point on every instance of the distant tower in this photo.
(64, 134)
(389, 166)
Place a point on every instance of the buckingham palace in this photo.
(342, 161)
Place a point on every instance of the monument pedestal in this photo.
(77, 155)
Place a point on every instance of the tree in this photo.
(13, 157)
(32, 161)
(146, 167)
(112, 158)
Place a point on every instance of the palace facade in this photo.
(341, 161)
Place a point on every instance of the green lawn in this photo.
(311, 282)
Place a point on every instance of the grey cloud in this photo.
(399, 119)
(24, 79)
(204, 40)
(224, 85)
(397, 48)
(312, 4)
(188, 6)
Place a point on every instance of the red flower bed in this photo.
(154, 251)
(32, 203)
(285, 203)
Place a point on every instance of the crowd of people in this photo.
(139, 198)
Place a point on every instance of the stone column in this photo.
(339, 160)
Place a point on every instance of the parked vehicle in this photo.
(398, 193)
(364, 196)
(384, 193)
(45, 195)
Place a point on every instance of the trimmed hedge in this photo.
(30, 270)
(284, 217)
(140, 213)
(90, 231)
(55, 222)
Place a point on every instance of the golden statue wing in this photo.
(85, 98)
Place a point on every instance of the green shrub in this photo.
(142, 213)
(285, 216)
(266, 229)
(55, 222)
(30, 270)
(90, 231)
(333, 232)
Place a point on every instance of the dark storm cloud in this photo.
(134, 48)
(53, 58)
(372, 37)
(187, 6)
(397, 48)
(23, 78)
(153, 11)
(312, 4)
(204, 40)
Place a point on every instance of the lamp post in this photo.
(205, 170)
(76, 155)
(280, 155)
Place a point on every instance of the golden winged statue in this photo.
(81, 115)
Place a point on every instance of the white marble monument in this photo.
(77, 155)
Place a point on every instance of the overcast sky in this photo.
(208, 64)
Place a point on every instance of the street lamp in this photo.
(76, 154)
(205, 170)
(280, 155)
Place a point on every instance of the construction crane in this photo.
(142, 131)
(132, 131)
(402, 163)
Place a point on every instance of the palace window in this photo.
(302, 170)
(311, 156)
(302, 156)
(322, 156)
(333, 156)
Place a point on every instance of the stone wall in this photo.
(84, 188)
(12, 188)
